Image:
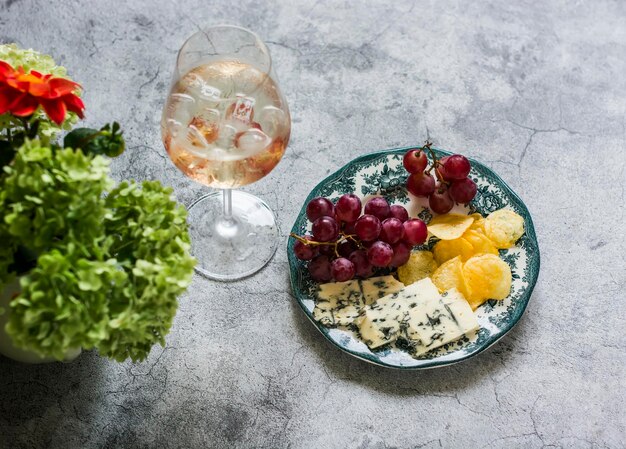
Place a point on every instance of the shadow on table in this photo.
(443, 381)
(37, 399)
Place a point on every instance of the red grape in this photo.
(391, 230)
(327, 250)
(362, 265)
(463, 190)
(367, 228)
(421, 184)
(348, 228)
(399, 212)
(378, 207)
(325, 229)
(346, 248)
(415, 231)
(348, 208)
(319, 207)
(441, 167)
(401, 254)
(415, 161)
(440, 202)
(342, 269)
(456, 167)
(380, 254)
(320, 269)
(304, 251)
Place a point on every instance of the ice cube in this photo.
(252, 141)
(196, 86)
(174, 127)
(207, 122)
(273, 121)
(192, 81)
(208, 97)
(180, 107)
(209, 92)
(226, 136)
(237, 124)
(184, 98)
(242, 109)
(193, 141)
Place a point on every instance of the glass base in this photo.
(231, 249)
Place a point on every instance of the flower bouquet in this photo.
(83, 263)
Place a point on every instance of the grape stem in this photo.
(435, 165)
(343, 237)
(352, 237)
(309, 242)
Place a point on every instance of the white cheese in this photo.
(375, 288)
(339, 303)
(382, 321)
(440, 320)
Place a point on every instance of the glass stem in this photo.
(227, 196)
(226, 225)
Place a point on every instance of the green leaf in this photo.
(106, 141)
(7, 153)
(89, 281)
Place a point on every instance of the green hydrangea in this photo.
(30, 59)
(151, 245)
(47, 201)
(109, 267)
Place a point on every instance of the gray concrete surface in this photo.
(537, 90)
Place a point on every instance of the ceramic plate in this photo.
(382, 173)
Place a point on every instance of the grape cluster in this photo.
(346, 243)
(449, 185)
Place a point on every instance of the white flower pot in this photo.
(6, 343)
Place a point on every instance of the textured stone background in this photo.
(537, 90)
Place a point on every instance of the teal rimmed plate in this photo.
(382, 173)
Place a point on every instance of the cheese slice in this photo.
(378, 287)
(440, 320)
(339, 303)
(383, 320)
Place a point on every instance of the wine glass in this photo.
(225, 124)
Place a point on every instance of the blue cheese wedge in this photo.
(382, 321)
(340, 303)
(378, 287)
(440, 320)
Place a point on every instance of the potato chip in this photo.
(421, 265)
(449, 226)
(479, 242)
(504, 227)
(450, 275)
(487, 277)
(445, 250)
(479, 223)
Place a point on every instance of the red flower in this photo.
(22, 93)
